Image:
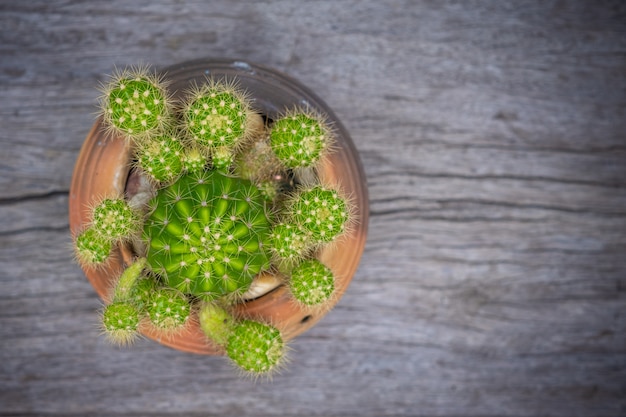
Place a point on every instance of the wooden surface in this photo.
(493, 136)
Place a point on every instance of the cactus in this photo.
(321, 212)
(216, 323)
(91, 250)
(289, 245)
(120, 321)
(141, 293)
(161, 158)
(222, 158)
(227, 200)
(115, 220)
(121, 318)
(256, 348)
(257, 162)
(135, 103)
(312, 283)
(207, 234)
(168, 310)
(300, 139)
(193, 161)
(218, 115)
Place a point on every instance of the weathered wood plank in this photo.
(492, 136)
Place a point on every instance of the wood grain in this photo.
(493, 140)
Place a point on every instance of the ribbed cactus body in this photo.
(207, 234)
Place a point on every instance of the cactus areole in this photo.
(207, 234)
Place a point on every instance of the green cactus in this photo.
(256, 348)
(141, 294)
(321, 212)
(91, 249)
(135, 104)
(121, 318)
(228, 203)
(216, 115)
(168, 310)
(194, 161)
(300, 139)
(127, 281)
(161, 158)
(115, 220)
(216, 323)
(120, 321)
(223, 157)
(207, 234)
(312, 283)
(289, 245)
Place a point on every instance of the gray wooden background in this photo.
(493, 135)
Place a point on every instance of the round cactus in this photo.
(217, 115)
(321, 212)
(255, 347)
(216, 323)
(161, 158)
(207, 234)
(135, 103)
(194, 161)
(312, 283)
(91, 249)
(120, 321)
(288, 243)
(168, 310)
(300, 139)
(114, 219)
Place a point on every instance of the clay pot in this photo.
(103, 168)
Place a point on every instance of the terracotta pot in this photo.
(103, 168)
